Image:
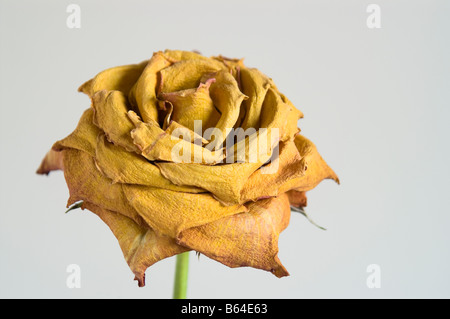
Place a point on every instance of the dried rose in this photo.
(165, 185)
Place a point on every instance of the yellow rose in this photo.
(153, 158)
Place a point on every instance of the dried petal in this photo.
(141, 246)
(297, 198)
(254, 85)
(316, 168)
(125, 167)
(110, 115)
(84, 138)
(227, 98)
(186, 74)
(52, 161)
(246, 239)
(87, 183)
(120, 78)
(193, 105)
(143, 94)
(156, 144)
(139, 160)
(169, 212)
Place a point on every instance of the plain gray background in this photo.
(376, 103)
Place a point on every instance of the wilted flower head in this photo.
(184, 152)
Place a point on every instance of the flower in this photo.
(153, 158)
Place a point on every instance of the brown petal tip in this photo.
(279, 270)
(140, 279)
(52, 161)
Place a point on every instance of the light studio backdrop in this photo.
(372, 79)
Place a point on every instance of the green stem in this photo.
(181, 276)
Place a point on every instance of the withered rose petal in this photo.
(179, 55)
(246, 239)
(84, 138)
(52, 161)
(87, 183)
(157, 144)
(126, 167)
(186, 74)
(316, 169)
(175, 128)
(143, 94)
(225, 182)
(110, 115)
(141, 246)
(276, 113)
(120, 78)
(169, 212)
(254, 85)
(276, 177)
(193, 105)
(227, 98)
(297, 198)
(138, 160)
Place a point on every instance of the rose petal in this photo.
(186, 74)
(297, 198)
(254, 85)
(143, 94)
(170, 212)
(227, 98)
(316, 168)
(130, 168)
(275, 113)
(277, 177)
(179, 55)
(246, 239)
(120, 78)
(83, 138)
(156, 144)
(86, 183)
(52, 161)
(224, 181)
(110, 115)
(140, 245)
(175, 128)
(193, 105)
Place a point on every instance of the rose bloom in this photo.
(165, 184)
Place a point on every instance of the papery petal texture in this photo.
(185, 152)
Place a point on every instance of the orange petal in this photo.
(246, 239)
(141, 246)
